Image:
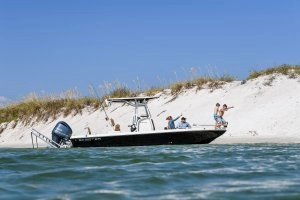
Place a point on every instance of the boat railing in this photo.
(38, 135)
(204, 126)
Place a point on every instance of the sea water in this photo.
(256, 171)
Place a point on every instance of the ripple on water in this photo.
(156, 172)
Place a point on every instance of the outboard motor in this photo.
(61, 133)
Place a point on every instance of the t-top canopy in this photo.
(132, 99)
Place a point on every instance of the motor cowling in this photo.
(61, 133)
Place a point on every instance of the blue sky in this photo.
(53, 46)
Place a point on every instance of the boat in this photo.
(143, 132)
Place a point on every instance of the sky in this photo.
(49, 47)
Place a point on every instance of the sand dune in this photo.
(266, 110)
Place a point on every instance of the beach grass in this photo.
(200, 83)
(41, 109)
(292, 71)
(49, 107)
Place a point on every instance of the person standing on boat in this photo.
(171, 122)
(221, 120)
(216, 111)
(183, 124)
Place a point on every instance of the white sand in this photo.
(261, 113)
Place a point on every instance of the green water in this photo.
(264, 171)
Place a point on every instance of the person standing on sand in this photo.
(171, 122)
(221, 120)
(216, 111)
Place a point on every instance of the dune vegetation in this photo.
(38, 108)
(292, 71)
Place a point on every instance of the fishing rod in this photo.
(111, 121)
